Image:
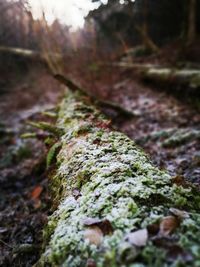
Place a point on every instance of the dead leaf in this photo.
(168, 225)
(104, 225)
(36, 192)
(91, 263)
(103, 124)
(37, 203)
(180, 181)
(181, 214)
(138, 238)
(94, 235)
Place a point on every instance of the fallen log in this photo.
(190, 77)
(26, 53)
(30, 54)
(114, 208)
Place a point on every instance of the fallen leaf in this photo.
(103, 124)
(94, 235)
(104, 225)
(91, 263)
(138, 238)
(168, 225)
(36, 192)
(37, 203)
(179, 213)
(179, 180)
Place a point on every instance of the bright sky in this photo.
(70, 12)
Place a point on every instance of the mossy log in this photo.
(190, 77)
(114, 208)
(28, 54)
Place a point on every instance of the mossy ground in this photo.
(116, 181)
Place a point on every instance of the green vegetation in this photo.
(108, 190)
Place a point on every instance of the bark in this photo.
(106, 188)
(192, 22)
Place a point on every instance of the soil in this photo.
(24, 199)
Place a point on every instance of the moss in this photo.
(52, 154)
(180, 137)
(47, 127)
(117, 182)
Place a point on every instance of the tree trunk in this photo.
(112, 202)
(143, 31)
(191, 22)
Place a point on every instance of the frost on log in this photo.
(114, 208)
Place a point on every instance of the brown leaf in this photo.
(37, 203)
(179, 180)
(104, 225)
(138, 238)
(168, 225)
(181, 214)
(91, 263)
(36, 192)
(94, 235)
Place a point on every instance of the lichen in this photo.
(117, 182)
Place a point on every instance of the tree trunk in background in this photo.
(191, 22)
(143, 31)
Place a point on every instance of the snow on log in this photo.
(114, 207)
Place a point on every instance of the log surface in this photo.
(112, 201)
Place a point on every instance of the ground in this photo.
(24, 200)
(167, 129)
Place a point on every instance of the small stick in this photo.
(73, 87)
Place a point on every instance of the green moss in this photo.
(52, 154)
(117, 182)
(180, 137)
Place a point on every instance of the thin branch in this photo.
(102, 103)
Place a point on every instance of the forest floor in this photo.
(164, 126)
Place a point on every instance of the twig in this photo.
(102, 103)
(5, 244)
